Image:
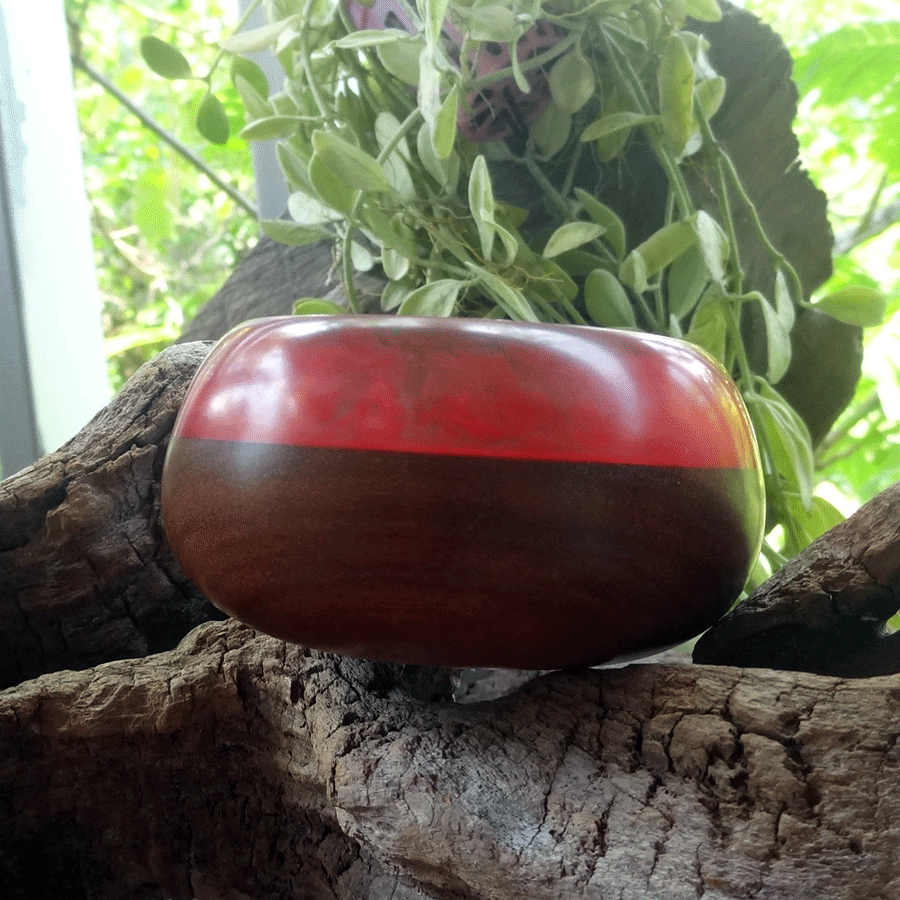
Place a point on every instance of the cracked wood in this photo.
(269, 770)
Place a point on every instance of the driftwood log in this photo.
(150, 750)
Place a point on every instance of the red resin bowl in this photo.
(464, 492)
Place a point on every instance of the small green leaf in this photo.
(387, 128)
(212, 120)
(712, 243)
(580, 263)
(821, 516)
(257, 38)
(331, 189)
(709, 95)
(444, 132)
(164, 59)
(383, 231)
(614, 230)
(653, 255)
(437, 298)
(572, 81)
(436, 168)
(510, 244)
(481, 205)
(481, 193)
(255, 104)
(570, 236)
(783, 434)
(270, 128)
(286, 232)
(508, 298)
(354, 167)
(488, 22)
(295, 169)
(252, 74)
(778, 341)
(551, 281)
(401, 59)
(675, 79)
(371, 37)
(686, 280)
(284, 105)
(614, 122)
(429, 93)
(306, 210)
(315, 306)
(519, 76)
(703, 10)
(784, 306)
(551, 129)
(855, 305)
(361, 258)
(435, 13)
(394, 263)
(606, 301)
(709, 328)
(675, 11)
(393, 295)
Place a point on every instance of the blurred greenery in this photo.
(166, 238)
(847, 68)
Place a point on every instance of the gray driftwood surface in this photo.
(235, 766)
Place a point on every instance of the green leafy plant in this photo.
(367, 126)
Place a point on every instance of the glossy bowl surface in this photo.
(464, 492)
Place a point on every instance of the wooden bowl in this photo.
(464, 492)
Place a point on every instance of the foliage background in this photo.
(847, 68)
(165, 238)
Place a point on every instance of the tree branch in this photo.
(825, 611)
(164, 135)
(883, 218)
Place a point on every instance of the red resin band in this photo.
(470, 388)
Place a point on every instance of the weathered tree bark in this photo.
(237, 766)
(826, 610)
(85, 575)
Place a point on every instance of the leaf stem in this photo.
(746, 376)
(779, 258)
(714, 149)
(631, 84)
(306, 61)
(241, 23)
(166, 136)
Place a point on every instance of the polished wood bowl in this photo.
(464, 492)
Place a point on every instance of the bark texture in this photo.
(826, 610)
(237, 766)
(85, 575)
